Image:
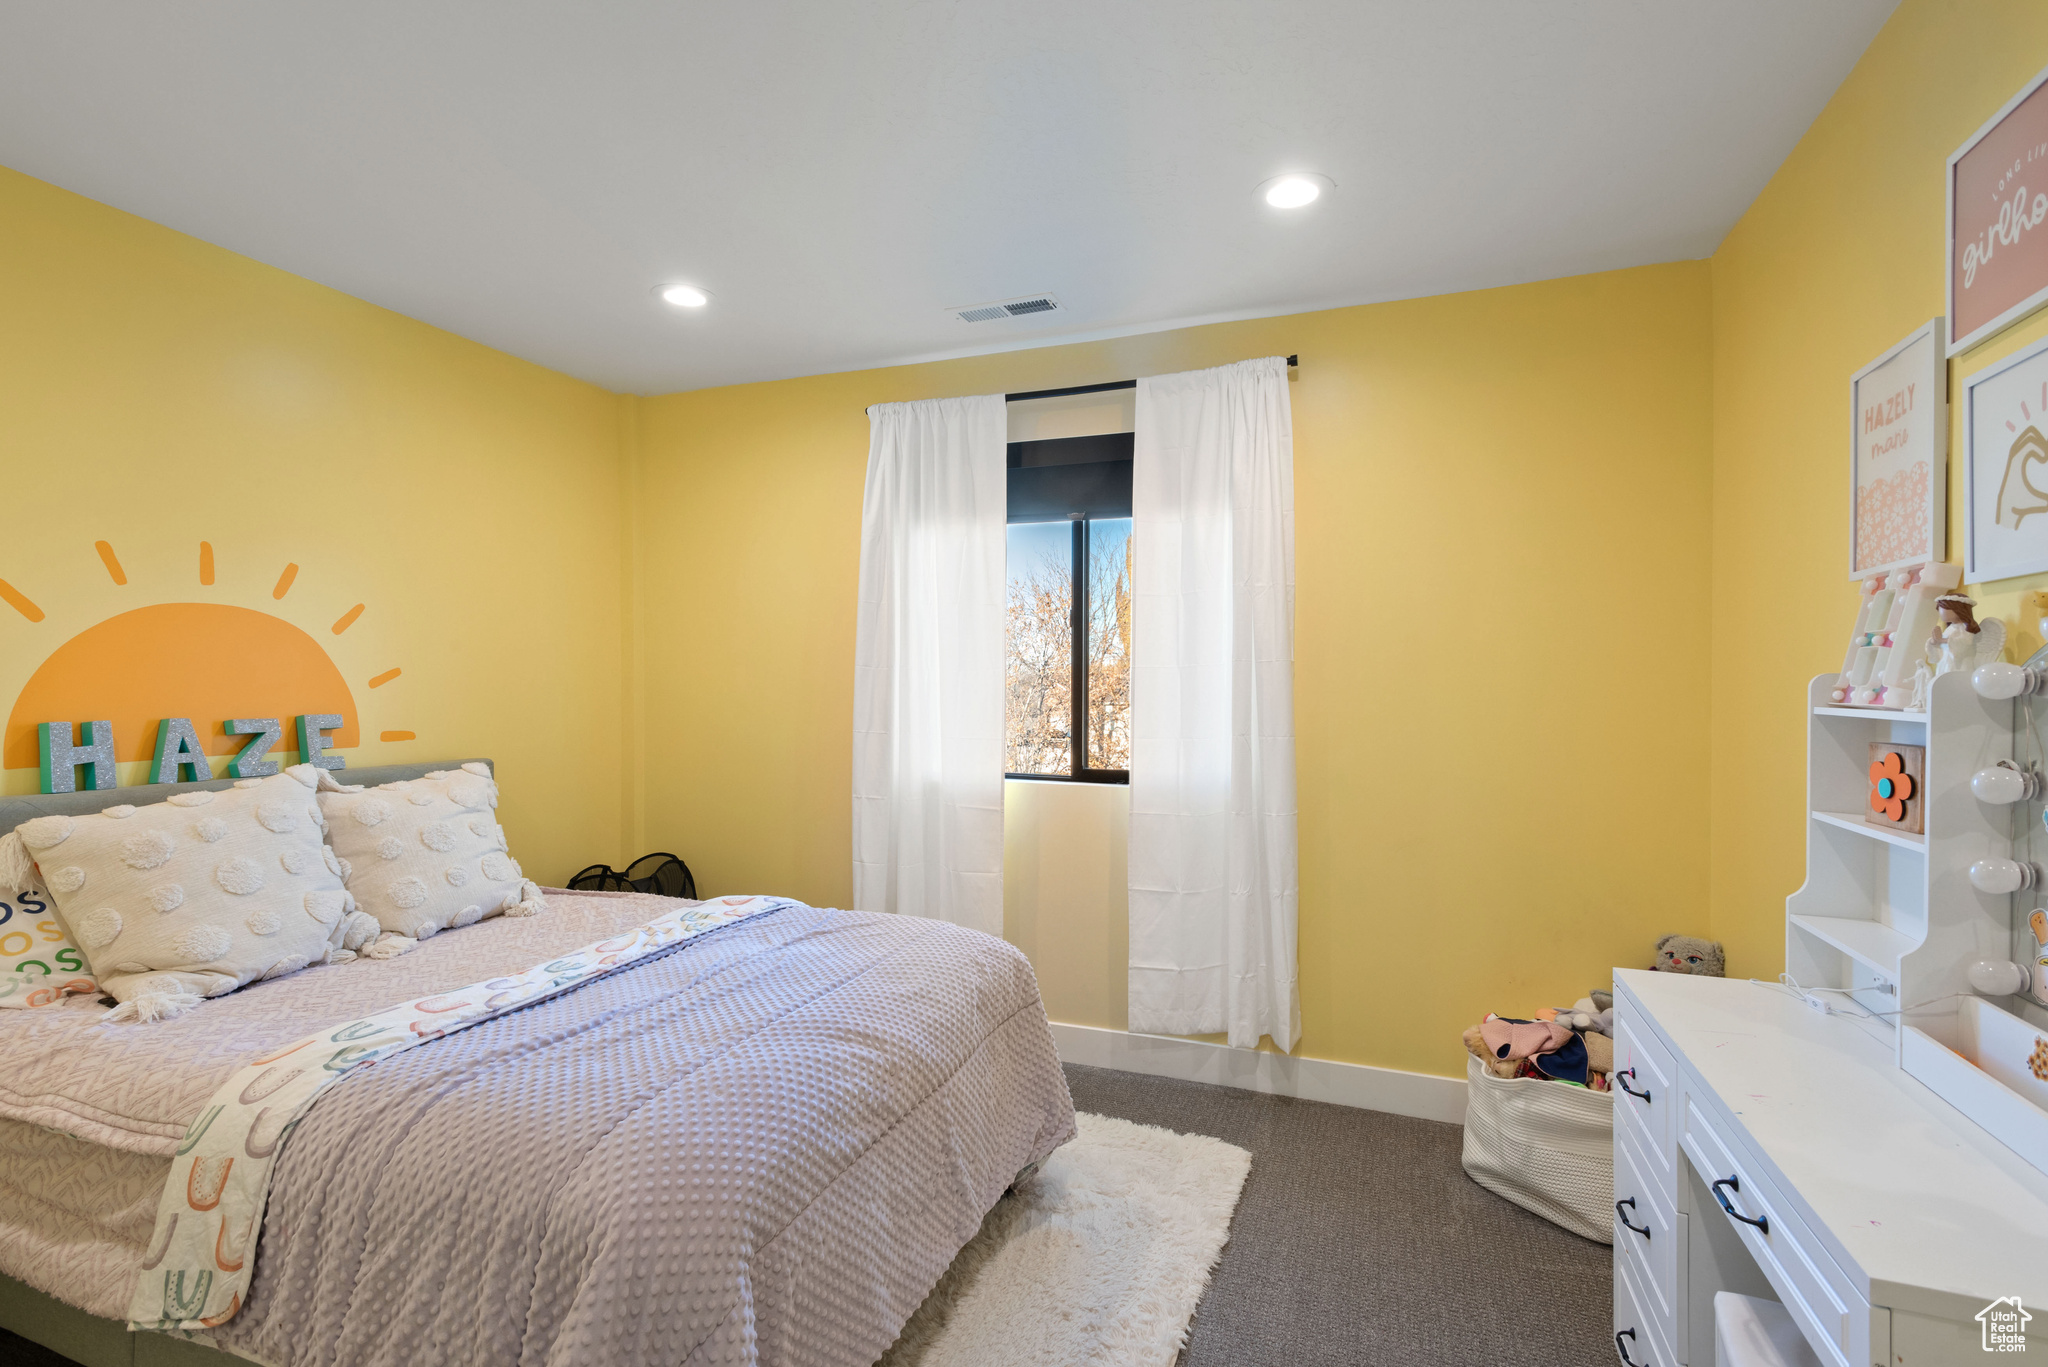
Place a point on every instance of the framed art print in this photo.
(1998, 220)
(1898, 456)
(2005, 416)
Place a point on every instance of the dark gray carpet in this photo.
(1360, 1241)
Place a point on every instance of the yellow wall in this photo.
(1501, 644)
(156, 392)
(1065, 902)
(1534, 524)
(1841, 256)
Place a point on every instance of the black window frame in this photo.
(1078, 480)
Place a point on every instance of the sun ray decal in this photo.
(175, 661)
(17, 600)
(113, 565)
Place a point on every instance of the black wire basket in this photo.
(664, 875)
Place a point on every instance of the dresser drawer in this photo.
(1646, 1230)
(1637, 1339)
(1647, 1177)
(1835, 1319)
(1645, 1093)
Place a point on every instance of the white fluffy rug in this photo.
(1099, 1259)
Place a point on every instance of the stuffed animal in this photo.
(1599, 1052)
(1599, 1056)
(1499, 1067)
(1690, 954)
(1582, 1015)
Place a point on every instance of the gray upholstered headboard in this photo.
(15, 810)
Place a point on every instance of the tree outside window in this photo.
(1064, 577)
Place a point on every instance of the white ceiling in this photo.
(838, 174)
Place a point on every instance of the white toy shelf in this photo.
(1892, 918)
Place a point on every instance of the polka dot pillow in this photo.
(195, 896)
(427, 854)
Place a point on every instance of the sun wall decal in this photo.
(209, 662)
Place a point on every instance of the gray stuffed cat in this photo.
(1690, 954)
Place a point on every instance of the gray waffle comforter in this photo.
(763, 1147)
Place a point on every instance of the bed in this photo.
(762, 1146)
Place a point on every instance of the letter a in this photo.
(178, 749)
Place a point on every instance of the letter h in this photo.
(60, 757)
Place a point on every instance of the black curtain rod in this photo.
(1092, 388)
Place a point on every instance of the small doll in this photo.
(1961, 643)
(1916, 697)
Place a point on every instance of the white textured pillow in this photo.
(194, 896)
(427, 854)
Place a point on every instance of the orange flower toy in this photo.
(1895, 800)
(1890, 787)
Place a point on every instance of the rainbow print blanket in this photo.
(202, 1252)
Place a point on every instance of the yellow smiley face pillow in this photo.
(39, 964)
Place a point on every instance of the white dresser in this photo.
(1882, 1218)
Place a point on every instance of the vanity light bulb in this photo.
(1997, 977)
(2003, 784)
(1999, 680)
(1997, 876)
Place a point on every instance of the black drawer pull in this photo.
(1621, 1080)
(1622, 1348)
(1630, 1201)
(1763, 1224)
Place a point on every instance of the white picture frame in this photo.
(1898, 455)
(2005, 438)
(2021, 154)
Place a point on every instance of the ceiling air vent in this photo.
(1007, 308)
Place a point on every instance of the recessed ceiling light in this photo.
(1293, 191)
(685, 296)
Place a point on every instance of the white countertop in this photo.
(1932, 1212)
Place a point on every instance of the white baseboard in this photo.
(1421, 1095)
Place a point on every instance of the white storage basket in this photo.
(1546, 1146)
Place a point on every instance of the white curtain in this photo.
(1214, 877)
(928, 664)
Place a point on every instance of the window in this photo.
(1067, 667)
